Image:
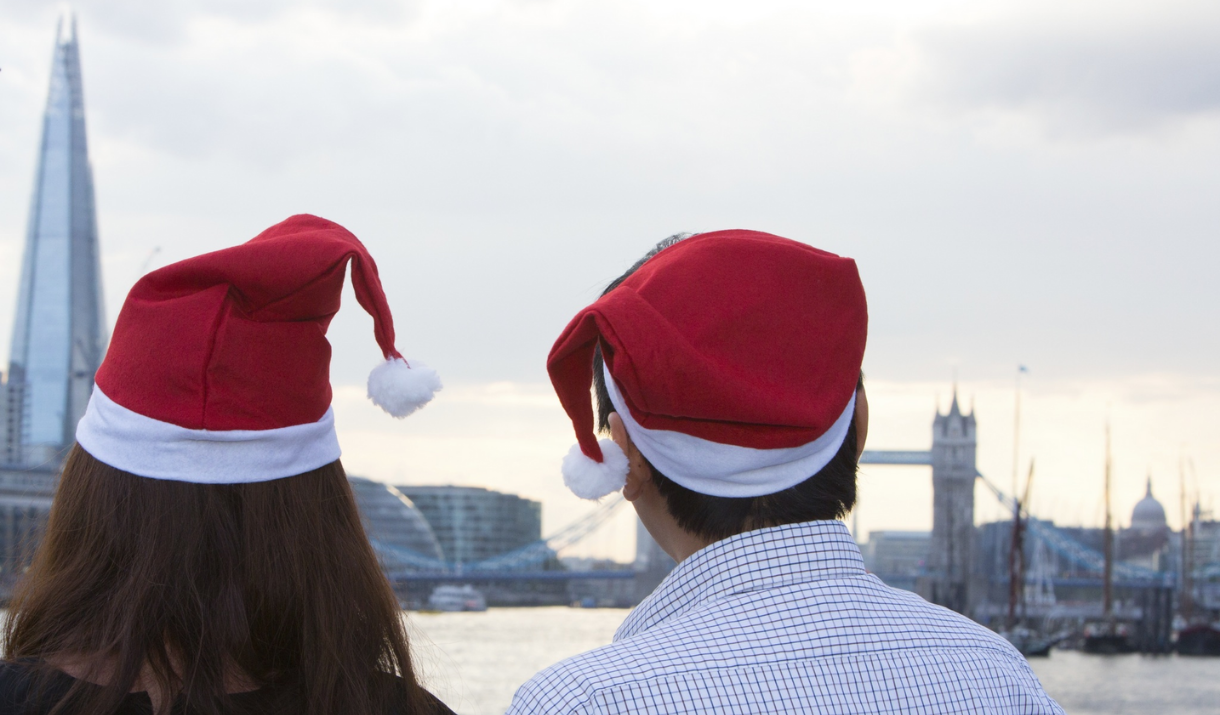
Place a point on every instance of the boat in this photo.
(452, 599)
(1033, 644)
(1199, 639)
(1198, 636)
(1107, 638)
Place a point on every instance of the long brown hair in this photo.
(275, 580)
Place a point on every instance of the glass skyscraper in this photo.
(59, 334)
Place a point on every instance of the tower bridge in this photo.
(950, 577)
(952, 459)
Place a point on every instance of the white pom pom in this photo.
(593, 480)
(401, 389)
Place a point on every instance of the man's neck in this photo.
(672, 538)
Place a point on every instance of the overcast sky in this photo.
(1027, 182)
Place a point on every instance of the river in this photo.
(475, 661)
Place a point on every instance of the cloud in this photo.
(166, 22)
(504, 160)
(1085, 70)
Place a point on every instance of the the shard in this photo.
(59, 333)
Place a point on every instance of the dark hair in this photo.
(275, 580)
(828, 494)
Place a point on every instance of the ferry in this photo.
(456, 598)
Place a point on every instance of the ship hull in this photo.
(1199, 640)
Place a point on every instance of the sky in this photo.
(1020, 183)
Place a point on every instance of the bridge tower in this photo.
(951, 556)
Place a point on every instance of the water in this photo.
(1131, 684)
(476, 661)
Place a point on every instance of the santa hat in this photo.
(218, 371)
(732, 359)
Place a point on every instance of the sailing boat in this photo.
(1032, 643)
(1107, 635)
(1199, 636)
(1029, 641)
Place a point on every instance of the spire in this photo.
(59, 334)
(1148, 494)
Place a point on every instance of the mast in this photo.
(1015, 553)
(1108, 545)
(1015, 579)
(1185, 606)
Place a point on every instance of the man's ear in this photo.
(860, 421)
(637, 468)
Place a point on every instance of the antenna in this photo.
(1108, 588)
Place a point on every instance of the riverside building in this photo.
(392, 522)
(472, 524)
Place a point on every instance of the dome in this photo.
(1148, 513)
(391, 520)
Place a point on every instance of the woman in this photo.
(204, 553)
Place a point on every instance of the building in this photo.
(1146, 542)
(1203, 555)
(652, 564)
(472, 524)
(601, 593)
(58, 334)
(25, 501)
(392, 522)
(897, 557)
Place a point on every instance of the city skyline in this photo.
(996, 219)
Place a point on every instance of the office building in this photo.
(897, 557)
(392, 522)
(472, 524)
(58, 335)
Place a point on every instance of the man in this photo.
(731, 391)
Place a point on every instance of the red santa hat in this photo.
(219, 369)
(731, 357)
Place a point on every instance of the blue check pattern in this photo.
(787, 620)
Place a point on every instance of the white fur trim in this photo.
(151, 448)
(593, 480)
(401, 388)
(727, 470)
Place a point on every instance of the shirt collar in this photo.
(753, 561)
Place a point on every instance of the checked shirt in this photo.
(787, 620)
